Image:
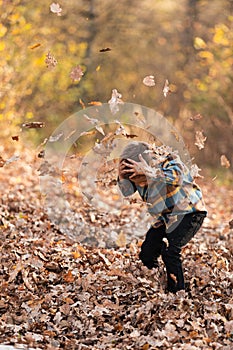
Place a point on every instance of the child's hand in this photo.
(123, 171)
(142, 168)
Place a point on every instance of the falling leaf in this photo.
(199, 43)
(166, 88)
(95, 103)
(15, 138)
(105, 49)
(130, 136)
(200, 139)
(224, 161)
(194, 171)
(120, 130)
(98, 68)
(196, 117)
(91, 120)
(33, 125)
(76, 73)
(35, 46)
(149, 80)
(100, 129)
(108, 138)
(41, 154)
(50, 60)
(121, 240)
(82, 103)
(115, 101)
(55, 138)
(55, 8)
(87, 133)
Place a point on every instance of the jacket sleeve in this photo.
(127, 187)
(173, 173)
(170, 173)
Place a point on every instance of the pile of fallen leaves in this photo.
(57, 293)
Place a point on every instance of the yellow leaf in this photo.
(199, 43)
(2, 46)
(98, 68)
(206, 54)
(220, 35)
(3, 30)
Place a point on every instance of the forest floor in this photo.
(58, 293)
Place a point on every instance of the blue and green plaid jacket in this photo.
(172, 193)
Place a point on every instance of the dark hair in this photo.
(133, 149)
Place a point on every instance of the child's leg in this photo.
(171, 255)
(152, 246)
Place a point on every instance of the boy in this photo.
(173, 199)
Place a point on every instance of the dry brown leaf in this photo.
(95, 103)
(15, 272)
(76, 73)
(35, 46)
(166, 88)
(121, 239)
(2, 162)
(69, 278)
(196, 117)
(87, 133)
(50, 60)
(149, 80)
(33, 125)
(224, 161)
(200, 139)
(25, 273)
(82, 103)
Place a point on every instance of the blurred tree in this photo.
(187, 42)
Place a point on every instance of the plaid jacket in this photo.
(169, 194)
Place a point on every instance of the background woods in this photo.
(78, 283)
(187, 42)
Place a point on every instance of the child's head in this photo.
(133, 149)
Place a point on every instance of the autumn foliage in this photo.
(88, 290)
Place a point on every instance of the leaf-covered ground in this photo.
(57, 293)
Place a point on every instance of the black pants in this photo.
(178, 235)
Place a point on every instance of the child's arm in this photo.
(171, 172)
(126, 186)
